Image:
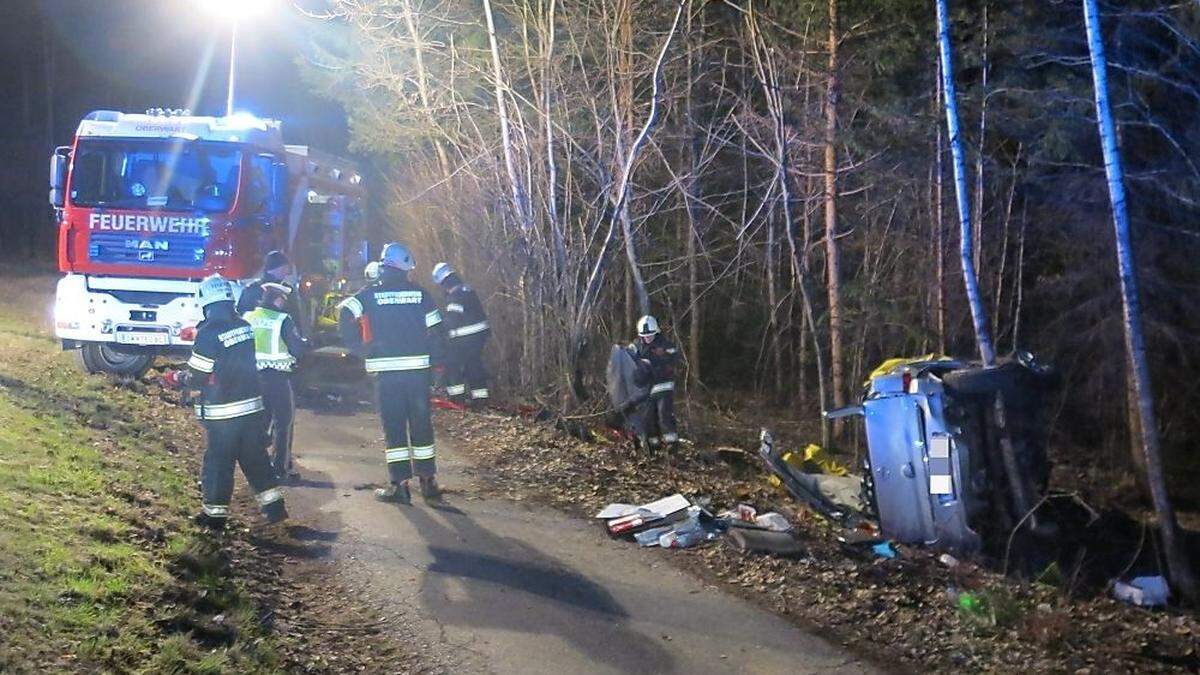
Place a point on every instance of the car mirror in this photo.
(277, 204)
(58, 177)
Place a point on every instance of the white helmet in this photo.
(371, 271)
(398, 256)
(647, 326)
(441, 271)
(214, 289)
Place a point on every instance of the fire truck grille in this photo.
(119, 249)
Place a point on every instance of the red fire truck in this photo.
(149, 204)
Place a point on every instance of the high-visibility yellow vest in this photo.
(270, 351)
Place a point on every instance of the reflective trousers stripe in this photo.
(226, 411)
(456, 389)
(216, 510)
(405, 454)
(480, 393)
(469, 330)
(389, 363)
(661, 387)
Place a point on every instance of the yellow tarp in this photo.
(892, 364)
(812, 459)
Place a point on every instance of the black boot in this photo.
(214, 523)
(429, 488)
(396, 494)
(275, 512)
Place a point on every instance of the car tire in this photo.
(98, 357)
(988, 380)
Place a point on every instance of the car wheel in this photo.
(975, 381)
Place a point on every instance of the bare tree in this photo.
(1182, 575)
(833, 266)
(967, 254)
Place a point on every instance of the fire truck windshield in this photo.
(166, 174)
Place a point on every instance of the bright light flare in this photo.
(236, 10)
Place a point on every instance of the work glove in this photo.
(172, 379)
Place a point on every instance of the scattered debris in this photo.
(897, 610)
(695, 529)
(884, 549)
(782, 544)
(774, 522)
(1143, 591)
(800, 485)
(651, 537)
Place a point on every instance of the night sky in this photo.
(64, 58)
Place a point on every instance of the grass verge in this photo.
(100, 569)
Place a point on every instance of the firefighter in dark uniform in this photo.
(222, 367)
(656, 357)
(278, 346)
(466, 333)
(395, 325)
(277, 269)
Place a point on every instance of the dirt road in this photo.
(497, 586)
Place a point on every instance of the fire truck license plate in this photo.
(141, 338)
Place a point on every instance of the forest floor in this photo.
(100, 567)
(901, 611)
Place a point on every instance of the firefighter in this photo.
(278, 346)
(467, 332)
(277, 269)
(395, 326)
(222, 367)
(656, 357)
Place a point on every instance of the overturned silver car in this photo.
(955, 455)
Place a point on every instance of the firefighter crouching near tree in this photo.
(222, 367)
(656, 357)
(466, 335)
(394, 324)
(278, 345)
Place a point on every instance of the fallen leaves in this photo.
(899, 610)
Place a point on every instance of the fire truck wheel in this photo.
(102, 358)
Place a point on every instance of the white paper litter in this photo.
(656, 509)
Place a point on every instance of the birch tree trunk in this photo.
(985, 67)
(423, 85)
(939, 225)
(979, 320)
(1179, 567)
(520, 199)
(556, 227)
(690, 194)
